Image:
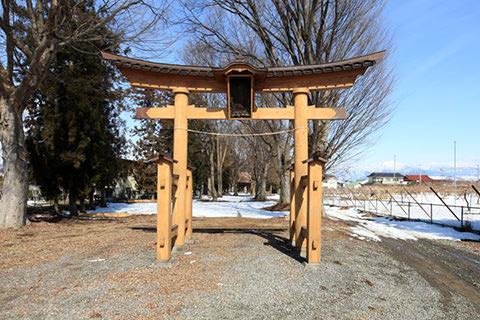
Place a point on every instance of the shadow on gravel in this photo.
(275, 241)
(284, 245)
(146, 229)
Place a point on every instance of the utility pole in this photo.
(394, 163)
(420, 175)
(455, 169)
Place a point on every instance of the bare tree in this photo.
(32, 32)
(223, 146)
(211, 178)
(297, 32)
(261, 149)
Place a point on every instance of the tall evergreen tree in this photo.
(73, 138)
(154, 137)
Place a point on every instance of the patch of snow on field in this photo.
(235, 207)
(227, 206)
(469, 206)
(134, 208)
(375, 228)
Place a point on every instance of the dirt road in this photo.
(448, 267)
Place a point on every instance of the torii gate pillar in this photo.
(299, 216)
(180, 145)
(297, 79)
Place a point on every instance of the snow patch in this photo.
(226, 206)
(375, 228)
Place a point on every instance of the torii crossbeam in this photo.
(240, 81)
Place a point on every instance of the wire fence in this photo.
(437, 209)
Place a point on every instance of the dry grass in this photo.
(38, 243)
(131, 284)
(380, 192)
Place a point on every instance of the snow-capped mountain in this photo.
(463, 172)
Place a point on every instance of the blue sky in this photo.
(437, 94)
(436, 57)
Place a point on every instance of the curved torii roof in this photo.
(340, 74)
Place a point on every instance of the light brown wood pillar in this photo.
(300, 97)
(292, 205)
(314, 219)
(180, 145)
(188, 205)
(164, 209)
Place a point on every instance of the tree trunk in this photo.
(91, 199)
(284, 186)
(82, 204)
(56, 209)
(211, 189)
(219, 169)
(72, 203)
(221, 153)
(219, 181)
(13, 205)
(211, 179)
(261, 186)
(103, 198)
(235, 181)
(261, 192)
(283, 171)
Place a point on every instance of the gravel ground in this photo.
(237, 269)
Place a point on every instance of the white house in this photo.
(330, 182)
(388, 178)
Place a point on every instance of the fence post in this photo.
(391, 212)
(461, 221)
(408, 210)
(431, 213)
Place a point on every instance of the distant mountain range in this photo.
(468, 173)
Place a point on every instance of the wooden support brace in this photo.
(174, 231)
(315, 205)
(303, 232)
(188, 204)
(292, 205)
(164, 208)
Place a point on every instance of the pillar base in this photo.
(191, 241)
(314, 266)
(170, 260)
(179, 248)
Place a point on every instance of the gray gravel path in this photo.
(244, 275)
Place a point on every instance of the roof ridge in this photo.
(343, 65)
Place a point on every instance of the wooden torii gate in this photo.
(241, 81)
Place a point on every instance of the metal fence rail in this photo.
(462, 216)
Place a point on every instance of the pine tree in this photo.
(154, 137)
(73, 138)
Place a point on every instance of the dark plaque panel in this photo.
(240, 97)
